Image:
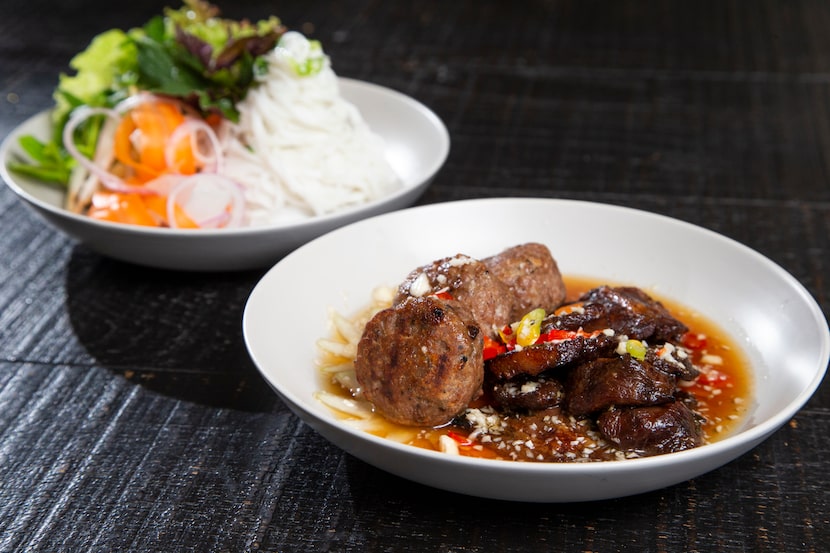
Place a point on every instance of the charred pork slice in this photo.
(576, 316)
(527, 395)
(630, 311)
(469, 282)
(420, 363)
(532, 276)
(619, 381)
(535, 359)
(652, 430)
(672, 360)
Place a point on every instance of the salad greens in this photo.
(190, 53)
(103, 74)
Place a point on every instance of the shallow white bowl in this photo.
(766, 310)
(417, 145)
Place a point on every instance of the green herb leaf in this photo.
(48, 163)
(190, 53)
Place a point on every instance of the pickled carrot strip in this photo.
(158, 156)
(141, 141)
(121, 208)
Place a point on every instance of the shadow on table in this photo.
(176, 333)
(378, 506)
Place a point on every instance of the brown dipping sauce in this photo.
(722, 391)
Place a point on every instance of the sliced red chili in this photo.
(461, 440)
(693, 340)
(556, 334)
(492, 348)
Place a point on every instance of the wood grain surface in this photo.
(132, 418)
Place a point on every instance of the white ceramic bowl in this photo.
(417, 145)
(761, 306)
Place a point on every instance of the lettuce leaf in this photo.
(194, 54)
(106, 68)
(190, 53)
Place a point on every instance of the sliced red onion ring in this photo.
(191, 128)
(209, 199)
(110, 181)
(164, 184)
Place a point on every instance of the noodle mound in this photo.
(300, 149)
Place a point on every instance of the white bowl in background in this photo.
(417, 145)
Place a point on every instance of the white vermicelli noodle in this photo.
(300, 149)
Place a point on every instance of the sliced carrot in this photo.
(124, 153)
(121, 208)
(155, 121)
(184, 162)
(142, 137)
(146, 210)
(182, 219)
(156, 206)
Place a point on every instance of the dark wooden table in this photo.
(132, 419)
